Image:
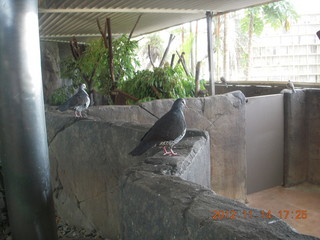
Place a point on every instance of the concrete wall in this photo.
(259, 90)
(249, 91)
(223, 116)
(88, 157)
(302, 137)
(264, 139)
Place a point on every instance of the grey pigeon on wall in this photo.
(79, 102)
(290, 85)
(223, 80)
(166, 132)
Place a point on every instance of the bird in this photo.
(79, 102)
(166, 132)
(290, 85)
(223, 80)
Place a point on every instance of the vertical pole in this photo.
(23, 139)
(210, 53)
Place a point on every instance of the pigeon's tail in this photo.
(141, 148)
(293, 90)
(63, 107)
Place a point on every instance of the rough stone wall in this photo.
(223, 116)
(50, 68)
(302, 137)
(98, 185)
(295, 138)
(89, 156)
(165, 207)
(313, 133)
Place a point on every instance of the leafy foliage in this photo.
(280, 14)
(277, 14)
(61, 95)
(164, 82)
(93, 66)
(253, 14)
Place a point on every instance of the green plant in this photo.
(60, 95)
(92, 67)
(278, 14)
(164, 82)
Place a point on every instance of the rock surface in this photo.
(302, 137)
(89, 156)
(154, 206)
(222, 116)
(50, 61)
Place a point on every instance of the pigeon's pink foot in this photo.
(173, 153)
(165, 152)
(76, 113)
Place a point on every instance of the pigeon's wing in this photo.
(142, 147)
(167, 128)
(78, 99)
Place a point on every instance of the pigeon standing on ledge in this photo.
(166, 132)
(79, 102)
(223, 80)
(290, 85)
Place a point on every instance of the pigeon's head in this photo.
(180, 103)
(83, 86)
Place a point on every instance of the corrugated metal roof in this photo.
(62, 19)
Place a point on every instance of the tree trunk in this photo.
(250, 36)
(226, 60)
(217, 40)
(192, 52)
(196, 42)
(197, 82)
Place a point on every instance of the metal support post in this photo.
(210, 53)
(23, 139)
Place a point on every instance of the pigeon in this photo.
(290, 86)
(79, 102)
(223, 80)
(166, 132)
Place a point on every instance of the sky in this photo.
(306, 6)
